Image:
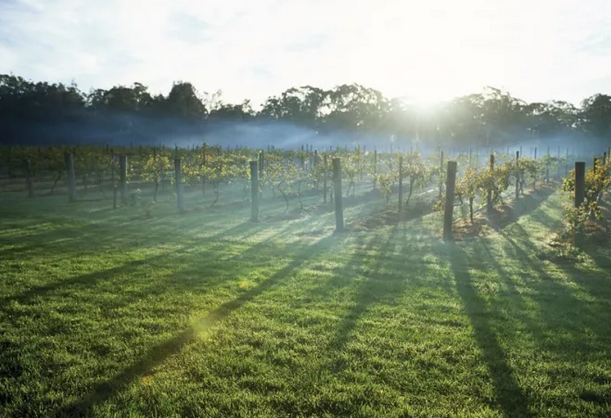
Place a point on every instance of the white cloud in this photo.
(538, 50)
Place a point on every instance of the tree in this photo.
(183, 101)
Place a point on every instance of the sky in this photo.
(425, 51)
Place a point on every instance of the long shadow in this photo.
(95, 235)
(517, 300)
(573, 324)
(97, 276)
(85, 279)
(511, 398)
(526, 204)
(366, 296)
(374, 288)
(161, 352)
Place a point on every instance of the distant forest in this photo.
(36, 113)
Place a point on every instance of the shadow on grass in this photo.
(553, 296)
(94, 235)
(367, 291)
(161, 352)
(503, 215)
(509, 395)
(90, 279)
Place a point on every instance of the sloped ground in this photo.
(207, 314)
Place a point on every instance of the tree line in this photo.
(41, 112)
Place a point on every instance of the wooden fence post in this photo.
(178, 180)
(558, 164)
(580, 183)
(449, 205)
(69, 160)
(489, 194)
(325, 161)
(337, 190)
(123, 178)
(518, 174)
(112, 167)
(254, 191)
(400, 187)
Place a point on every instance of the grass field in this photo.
(106, 313)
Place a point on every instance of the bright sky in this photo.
(425, 50)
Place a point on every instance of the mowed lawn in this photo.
(107, 313)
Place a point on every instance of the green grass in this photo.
(207, 314)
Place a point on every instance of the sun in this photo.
(430, 52)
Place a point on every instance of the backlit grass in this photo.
(106, 313)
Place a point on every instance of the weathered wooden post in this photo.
(558, 164)
(325, 162)
(29, 183)
(580, 183)
(517, 174)
(400, 187)
(69, 160)
(254, 186)
(112, 167)
(178, 179)
(114, 196)
(123, 178)
(337, 189)
(489, 194)
(261, 165)
(449, 205)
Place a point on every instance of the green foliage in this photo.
(105, 313)
(596, 182)
(467, 187)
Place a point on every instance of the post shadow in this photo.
(509, 395)
(157, 355)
